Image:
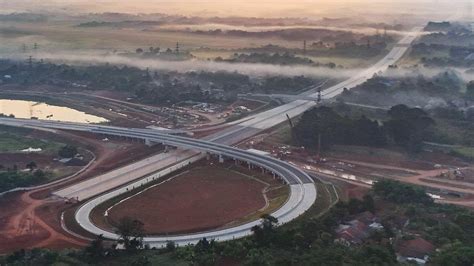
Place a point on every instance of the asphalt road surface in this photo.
(303, 192)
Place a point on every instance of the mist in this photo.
(250, 69)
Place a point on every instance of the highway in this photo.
(303, 191)
(286, 171)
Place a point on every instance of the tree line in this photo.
(406, 127)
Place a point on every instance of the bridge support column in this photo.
(149, 143)
(221, 158)
(208, 156)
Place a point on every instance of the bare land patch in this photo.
(205, 197)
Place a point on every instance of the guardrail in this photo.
(302, 189)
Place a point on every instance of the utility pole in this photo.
(291, 127)
(319, 95)
(318, 156)
(304, 47)
(30, 61)
(177, 48)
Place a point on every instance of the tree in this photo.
(375, 255)
(354, 206)
(234, 249)
(141, 261)
(368, 203)
(258, 234)
(205, 252)
(96, 247)
(31, 165)
(470, 90)
(401, 193)
(408, 126)
(67, 151)
(456, 255)
(269, 222)
(39, 175)
(466, 221)
(170, 246)
(265, 231)
(336, 129)
(258, 257)
(131, 233)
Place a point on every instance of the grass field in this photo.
(276, 200)
(465, 152)
(326, 198)
(454, 132)
(15, 142)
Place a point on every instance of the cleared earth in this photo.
(202, 198)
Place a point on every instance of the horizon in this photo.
(268, 9)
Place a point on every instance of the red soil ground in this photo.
(31, 219)
(201, 199)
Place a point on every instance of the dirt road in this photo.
(32, 219)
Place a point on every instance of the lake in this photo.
(43, 111)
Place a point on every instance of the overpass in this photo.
(283, 97)
(303, 193)
(302, 189)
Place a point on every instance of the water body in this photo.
(43, 111)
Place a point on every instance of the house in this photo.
(366, 217)
(414, 250)
(357, 230)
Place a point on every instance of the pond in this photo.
(40, 110)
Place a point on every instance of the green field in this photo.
(465, 152)
(15, 142)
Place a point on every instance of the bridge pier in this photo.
(149, 143)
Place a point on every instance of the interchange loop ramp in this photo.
(302, 189)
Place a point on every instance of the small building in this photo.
(357, 230)
(415, 250)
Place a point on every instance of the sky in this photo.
(261, 8)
